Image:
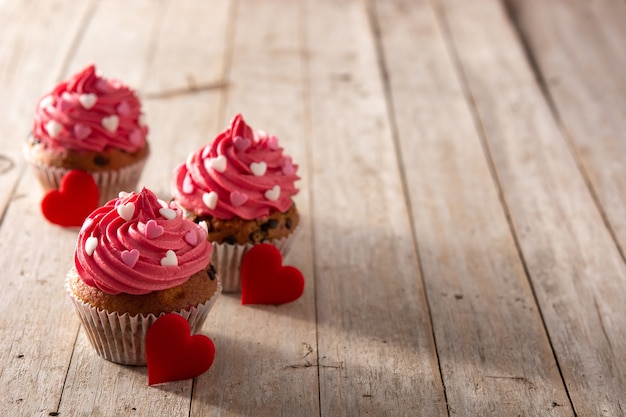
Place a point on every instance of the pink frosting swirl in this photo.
(90, 113)
(137, 244)
(242, 173)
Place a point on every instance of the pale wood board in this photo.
(128, 55)
(376, 351)
(468, 255)
(22, 81)
(267, 355)
(575, 267)
(37, 328)
(579, 48)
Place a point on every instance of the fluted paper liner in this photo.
(227, 259)
(122, 338)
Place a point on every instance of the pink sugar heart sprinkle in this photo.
(104, 85)
(272, 143)
(123, 109)
(130, 257)
(288, 168)
(135, 137)
(241, 143)
(81, 131)
(238, 198)
(191, 237)
(153, 230)
(64, 104)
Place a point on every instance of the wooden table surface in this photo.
(463, 197)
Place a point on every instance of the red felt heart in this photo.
(172, 354)
(264, 280)
(75, 199)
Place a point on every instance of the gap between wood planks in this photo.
(545, 91)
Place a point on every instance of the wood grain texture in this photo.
(495, 361)
(30, 62)
(376, 352)
(579, 48)
(576, 270)
(267, 355)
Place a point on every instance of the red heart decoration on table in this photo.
(173, 354)
(75, 199)
(264, 280)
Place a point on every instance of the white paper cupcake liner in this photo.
(110, 183)
(227, 259)
(122, 338)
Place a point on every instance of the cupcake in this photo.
(92, 124)
(137, 258)
(239, 187)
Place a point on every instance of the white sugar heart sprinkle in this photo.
(123, 194)
(163, 203)
(204, 226)
(218, 164)
(258, 168)
(111, 122)
(126, 211)
(88, 100)
(170, 259)
(273, 193)
(53, 128)
(168, 213)
(210, 199)
(46, 101)
(90, 245)
(188, 186)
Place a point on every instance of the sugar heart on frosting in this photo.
(238, 198)
(242, 143)
(81, 131)
(90, 245)
(126, 211)
(153, 229)
(273, 193)
(218, 164)
(46, 101)
(130, 257)
(123, 109)
(210, 199)
(188, 187)
(168, 213)
(54, 128)
(88, 100)
(170, 259)
(258, 168)
(191, 237)
(110, 123)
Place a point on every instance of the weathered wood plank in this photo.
(94, 386)
(267, 355)
(30, 61)
(576, 270)
(376, 351)
(493, 350)
(579, 48)
(37, 329)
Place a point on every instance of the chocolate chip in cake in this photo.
(230, 239)
(211, 272)
(288, 223)
(270, 224)
(100, 160)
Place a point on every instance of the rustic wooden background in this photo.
(463, 196)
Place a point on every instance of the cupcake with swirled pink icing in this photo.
(240, 187)
(137, 258)
(93, 124)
